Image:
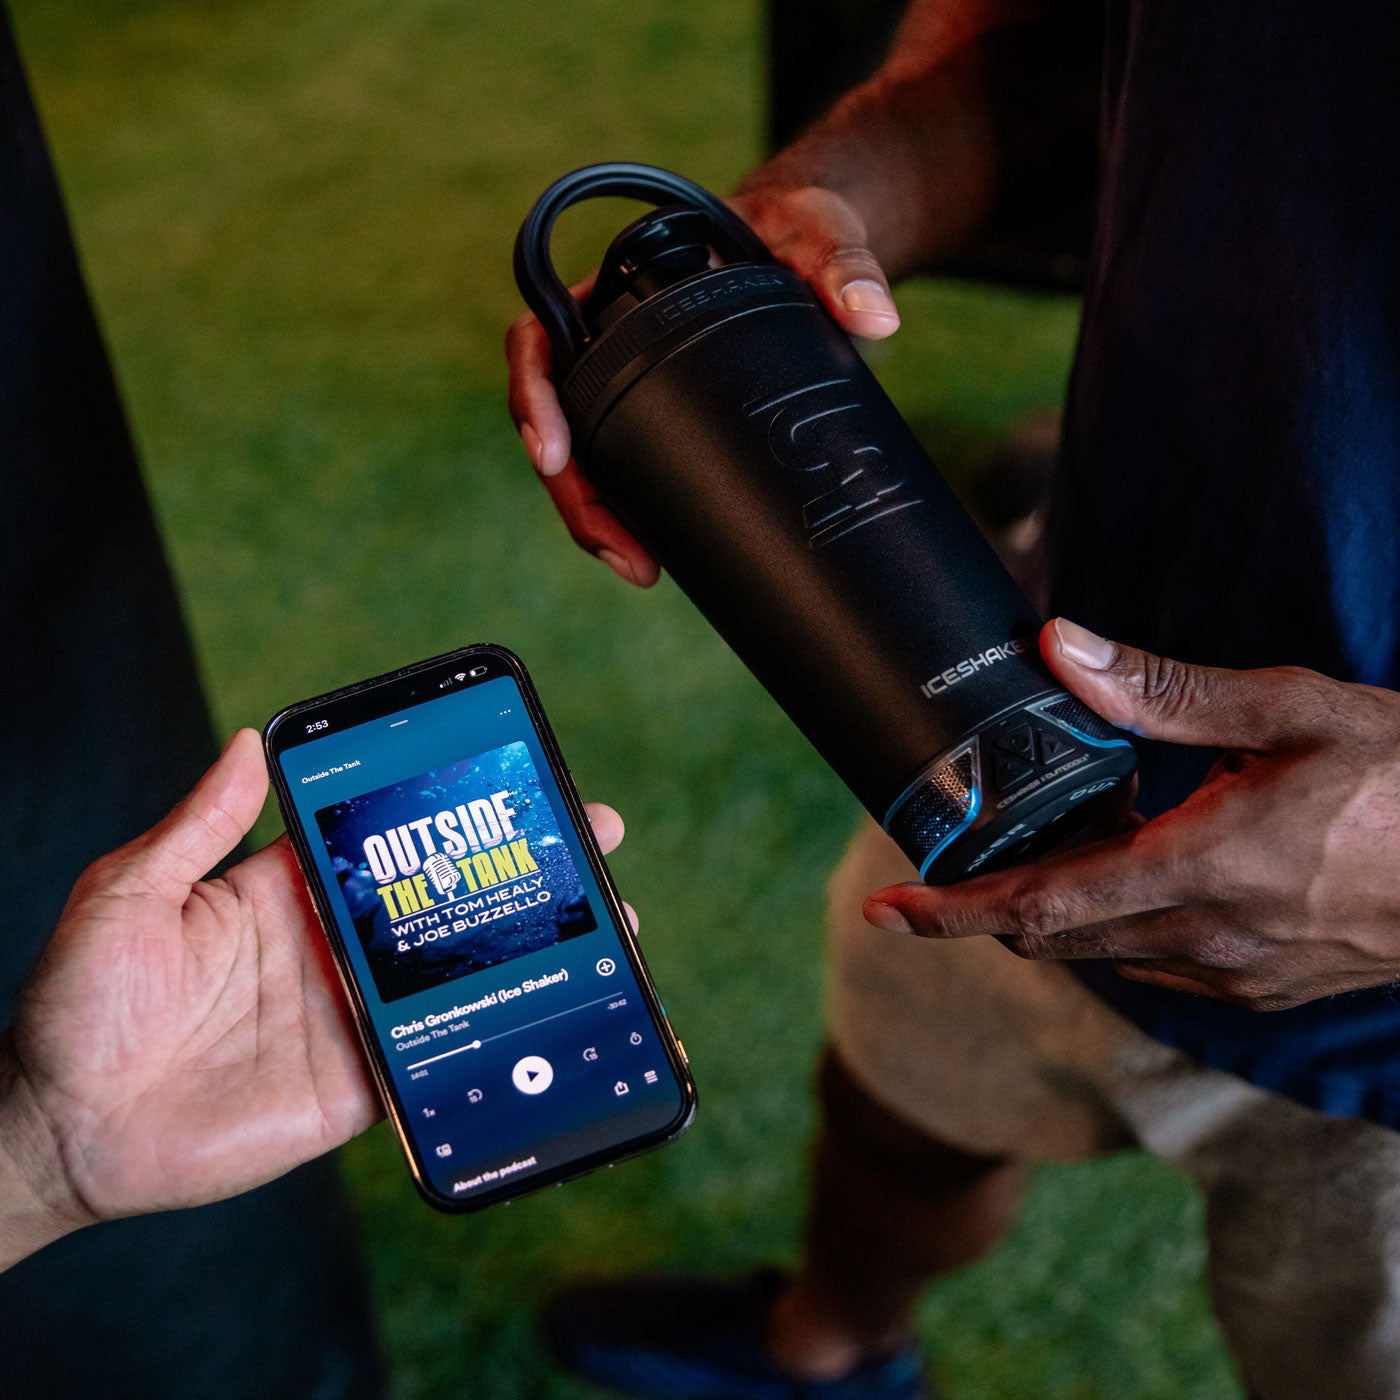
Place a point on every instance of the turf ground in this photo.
(296, 216)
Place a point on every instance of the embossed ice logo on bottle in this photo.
(823, 428)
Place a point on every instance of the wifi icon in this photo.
(460, 676)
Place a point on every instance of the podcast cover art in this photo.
(454, 871)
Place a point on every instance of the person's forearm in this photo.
(28, 1217)
(914, 148)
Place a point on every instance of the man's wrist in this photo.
(32, 1213)
(914, 156)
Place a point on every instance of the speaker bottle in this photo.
(730, 424)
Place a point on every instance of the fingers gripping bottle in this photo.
(729, 422)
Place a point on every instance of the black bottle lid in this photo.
(668, 276)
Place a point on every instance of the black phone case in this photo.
(675, 1052)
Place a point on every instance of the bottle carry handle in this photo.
(541, 286)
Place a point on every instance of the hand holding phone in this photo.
(504, 1005)
(181, 1040)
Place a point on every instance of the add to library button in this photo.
(532, 1075)
(606, 967)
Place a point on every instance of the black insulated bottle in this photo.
(729, 422)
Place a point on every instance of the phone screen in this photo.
(515, 1025)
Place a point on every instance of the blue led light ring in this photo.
(1042, 711)
(972, 811)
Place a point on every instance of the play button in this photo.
(532, 1075)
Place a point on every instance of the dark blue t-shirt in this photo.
(1230, 492)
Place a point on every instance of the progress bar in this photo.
(529, 1025)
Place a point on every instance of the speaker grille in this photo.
(1074, 714)
(943, 801)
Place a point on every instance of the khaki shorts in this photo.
(1003, 1056)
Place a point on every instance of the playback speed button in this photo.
(532, 1075)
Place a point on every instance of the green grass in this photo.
(296, 216)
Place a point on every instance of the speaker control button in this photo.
(1007, 771)
(1017, 741)
(1052, 746)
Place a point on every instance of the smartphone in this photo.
(505, 1008)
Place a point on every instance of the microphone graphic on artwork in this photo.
(444, 875)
